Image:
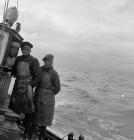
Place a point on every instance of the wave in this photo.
(65, 85)
(91, 104)
(72, 79)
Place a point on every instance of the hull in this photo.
(10, 131)
(52, 135)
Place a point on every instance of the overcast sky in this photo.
(82, 34)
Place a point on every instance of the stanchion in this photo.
(81, 137)
(70, 136)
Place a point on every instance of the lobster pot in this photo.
(5, 80)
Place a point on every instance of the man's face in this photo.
(48, 63)
(14, 51)
(26, 50)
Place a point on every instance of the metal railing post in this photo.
(70, 136)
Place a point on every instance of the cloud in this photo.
(79, 30)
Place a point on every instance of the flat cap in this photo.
(26, 44)
(15, 44)
(48, 57)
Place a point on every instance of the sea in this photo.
(98, 105)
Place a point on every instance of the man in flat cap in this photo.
(25, 44)
(26, 71)
(46, 89)
(26, 65)
(48, 57)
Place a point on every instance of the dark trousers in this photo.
(42, 135)
(30, 128)
(29, 125)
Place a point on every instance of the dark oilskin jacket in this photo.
(54, 83)
(47, 87)
(34, 68)
(26, 72)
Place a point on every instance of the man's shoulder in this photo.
(33, 58)
(53, 71)
(19, 57)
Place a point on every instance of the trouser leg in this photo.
(43, 133)
(29, 126)
(40, 131)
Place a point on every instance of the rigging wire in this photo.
(17, 4)
(4, 15)
(3, 22)
(18, 25)
(4, 18)
(17, 9)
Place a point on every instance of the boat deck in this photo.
(10, 131)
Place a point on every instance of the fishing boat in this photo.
(9, 130)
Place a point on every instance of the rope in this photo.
(17, 4)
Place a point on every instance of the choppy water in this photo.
(98, 105)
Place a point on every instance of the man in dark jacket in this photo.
(47, 87)
(26, 71)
